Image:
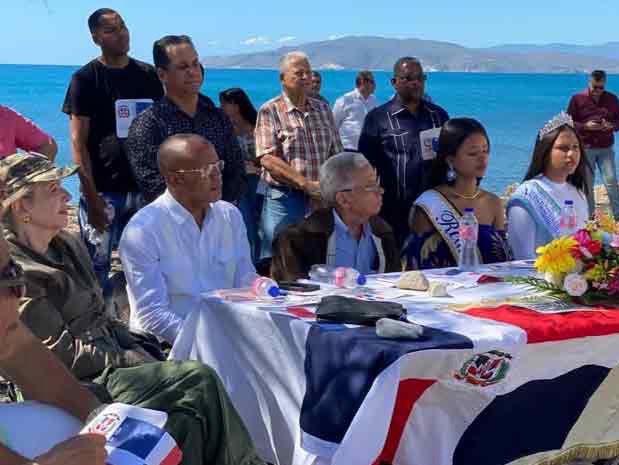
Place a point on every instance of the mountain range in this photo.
(380, 53)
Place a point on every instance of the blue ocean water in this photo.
(512, 107)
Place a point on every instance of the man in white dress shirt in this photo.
(350, 109)
(184, 243)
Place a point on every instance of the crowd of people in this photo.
(196, 196)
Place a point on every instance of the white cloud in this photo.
(286, 39)
(335, 36)
(259, 40)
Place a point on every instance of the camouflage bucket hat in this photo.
(20, 170)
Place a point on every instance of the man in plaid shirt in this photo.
(295, 134)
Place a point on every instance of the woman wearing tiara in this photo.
(461, 162)
(556, 174)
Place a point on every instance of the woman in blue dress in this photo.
(460, 164)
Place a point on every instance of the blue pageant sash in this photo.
(540, 205)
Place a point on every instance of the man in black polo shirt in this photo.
(97, 137)
(182, 110)
(397, 139)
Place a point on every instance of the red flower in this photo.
(584, 240)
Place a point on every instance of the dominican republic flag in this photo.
(487, 386)
(135, 436)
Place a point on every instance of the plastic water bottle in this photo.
(339, 276)
(469, 228)
(96, 238)
(567, 224)
(261, 286)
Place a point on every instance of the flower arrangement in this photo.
(583, 266)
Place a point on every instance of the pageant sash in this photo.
(540, 205)
(445, 218)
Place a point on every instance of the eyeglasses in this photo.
(374, 188)
(597, 87)
(205, 171)
(420, 77)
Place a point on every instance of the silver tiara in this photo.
(559, 120)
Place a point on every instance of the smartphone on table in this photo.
(298, 287)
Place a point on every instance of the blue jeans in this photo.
(605, 161)
(125, 206)
(251, 206)
(282, 206)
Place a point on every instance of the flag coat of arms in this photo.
(135, 436)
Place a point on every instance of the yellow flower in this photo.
(602, 221)
(607, 224)
(555, 257)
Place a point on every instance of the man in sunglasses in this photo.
(346, 233)
(184, 243)
(399, 139)
(595, 112)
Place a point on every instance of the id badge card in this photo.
(429, 143)
(126, 110)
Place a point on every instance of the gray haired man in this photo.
(345, 233)
(294, 136)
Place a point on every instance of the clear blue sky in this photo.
(55, 32)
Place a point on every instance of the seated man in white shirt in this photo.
(184, 243)
(351, 108)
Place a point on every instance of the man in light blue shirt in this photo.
(353, 250)
(185, 243)
(345, 233)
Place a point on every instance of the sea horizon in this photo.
(512, 106)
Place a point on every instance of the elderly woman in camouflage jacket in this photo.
(63, 306)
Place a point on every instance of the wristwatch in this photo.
(12, 277)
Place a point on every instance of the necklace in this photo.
(466, 196)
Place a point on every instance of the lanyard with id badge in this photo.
(428, 139)
(125, 111)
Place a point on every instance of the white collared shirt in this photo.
(168, 261)
(349, 112)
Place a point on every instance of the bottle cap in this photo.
(274, 291)
(569, 202)
(469, 210)
(361, 280)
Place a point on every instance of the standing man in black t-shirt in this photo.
(97, 137)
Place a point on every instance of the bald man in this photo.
(184, 243)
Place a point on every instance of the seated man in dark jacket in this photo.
(347, 232)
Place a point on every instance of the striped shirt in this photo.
(304, 139)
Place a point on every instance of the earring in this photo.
(27, 219)
(451, 174)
